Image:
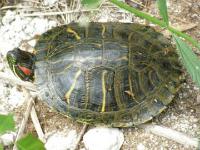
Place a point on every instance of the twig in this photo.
(171, 134)
(186, 27)
(56, 13)
(32, 1)
(37, 125)
(181, 28)
(80, 136)
(18, 7)
(7, 78)
(25, 119)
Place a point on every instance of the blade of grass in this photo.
(163, 10)
(189, 59)
(155, 21)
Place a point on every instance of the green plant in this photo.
(28, 142)
(6, 123)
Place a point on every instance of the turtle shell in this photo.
(119, 74)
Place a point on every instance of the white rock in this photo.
(59, 141)
(9, 17)
(40, 25)
(50, 2)
(52, 24)
(16, 98)
(8, 138)
(103, 139)
(140, 147)
(32, 42)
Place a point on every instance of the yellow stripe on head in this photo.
(14, 71)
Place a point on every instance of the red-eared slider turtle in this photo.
(118, 74)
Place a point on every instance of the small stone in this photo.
(59, 141)
(52, 24)
(40, 25)
(16, 98)
(140, 147)
(32, 42)
(198, 99)
(103, 139)
(50, 2)
(8, 138)
(9, 17)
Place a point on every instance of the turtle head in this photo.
(22, 64)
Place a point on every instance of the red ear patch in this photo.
(25, 70)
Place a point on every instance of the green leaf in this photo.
(189, 59)
(155, 21)
(1, 147)
(29, 142)
(6, 123)
(91, 3)
(163, 10)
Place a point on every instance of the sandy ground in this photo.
(182, 115)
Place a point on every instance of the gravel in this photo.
(15, 28)
(60, 141)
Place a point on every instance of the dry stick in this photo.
(7, 78)
(80, 136)
(37, 125)
(181, 28)
(55, 13)
(17, 7)
(25, 119)
(171, 134)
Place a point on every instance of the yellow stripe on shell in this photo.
(103, 91)
(103, 30)
(70, 30)
(68, 94)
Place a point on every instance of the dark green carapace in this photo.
(117, 74)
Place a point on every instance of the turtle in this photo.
(114, 74)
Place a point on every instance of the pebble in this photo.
(15, 98)
(7, 138)
(59, 141)
(10, 16)
(198, 99)
(101, 138)
(140, 146)
(50, 2)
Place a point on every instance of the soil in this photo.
(182, 115)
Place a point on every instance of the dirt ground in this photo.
(182, 115)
